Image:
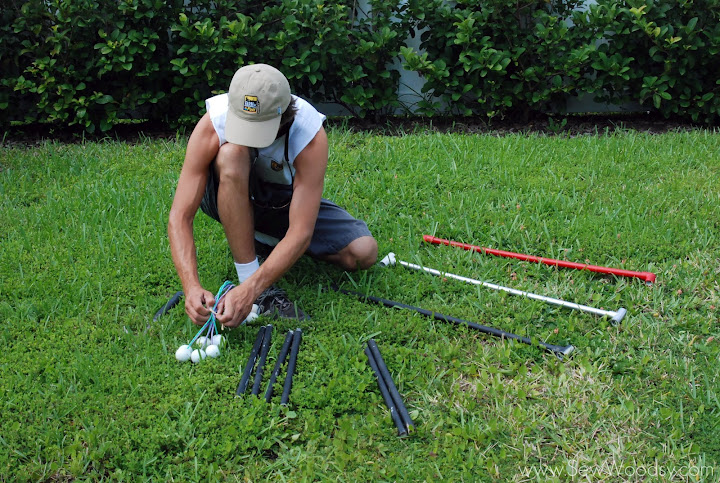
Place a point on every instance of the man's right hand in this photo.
(198, 303)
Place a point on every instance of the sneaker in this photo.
(275, 302)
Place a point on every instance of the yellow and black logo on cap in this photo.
(251, 104)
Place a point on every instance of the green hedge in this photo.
(502, 57)
(662, 54)
(329, 52)
(93, 62)
(498, 57)
(86, 62)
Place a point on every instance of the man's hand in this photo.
(235, 306)
(198, 303)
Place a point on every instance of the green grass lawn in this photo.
(87, 392)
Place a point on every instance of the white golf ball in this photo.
(198, 355)
(203, 341)
(212, 351)
(183, 353)
(253, 313)
(218, 340)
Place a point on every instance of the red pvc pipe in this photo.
(649, 277)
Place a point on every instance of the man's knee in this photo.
(360, 254)
(232, 163)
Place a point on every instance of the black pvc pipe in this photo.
(402, 431)
(392, 389)
(278, 364)
(297, 337)
(242, 387)
(267, 338)
(174, 300)
(558, 350)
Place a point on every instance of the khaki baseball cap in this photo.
(258, 96)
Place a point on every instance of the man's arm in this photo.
(310, 166)
(202, 148)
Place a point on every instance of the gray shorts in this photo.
(335, 228)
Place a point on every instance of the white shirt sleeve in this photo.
(217, 108)
(308, 121)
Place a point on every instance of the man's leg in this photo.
(227, 200)
(359, 254)
(338, 237)
(342, 240)
(232, 168)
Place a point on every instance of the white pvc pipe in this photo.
(615, 316)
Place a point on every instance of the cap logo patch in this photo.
(251, 104)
